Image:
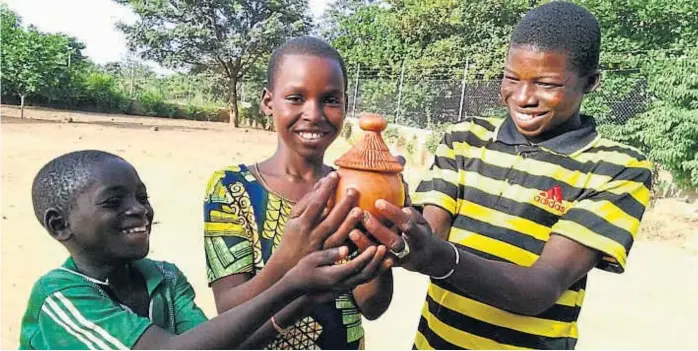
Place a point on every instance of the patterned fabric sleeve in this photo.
(81, 318)
(227, 231)
(608, 218)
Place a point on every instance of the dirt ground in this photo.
(653, 305)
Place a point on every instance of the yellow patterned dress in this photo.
(243, 225)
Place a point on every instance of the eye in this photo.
(295, 99)
(511, 78)
(112, 202)
(142, 198)
(333, 100)
(548, 85)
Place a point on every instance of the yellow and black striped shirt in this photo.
(506, 197)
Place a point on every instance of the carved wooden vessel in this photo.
(369, 168)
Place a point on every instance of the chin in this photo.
(314, 153)
(137, 253)
(530, 133)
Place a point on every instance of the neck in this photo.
(572, 123)
(97, 270)
(294, 166)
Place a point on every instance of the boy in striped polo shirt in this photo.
(523, 208)
(107, 295)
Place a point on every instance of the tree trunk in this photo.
(233, 102)
(21, 108)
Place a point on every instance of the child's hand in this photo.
(421, 243)
(323, 280)
(310, 224)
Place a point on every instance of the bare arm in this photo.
(439, 219)
(286, 317)
(227, 330)
(522, 290)
(315, 273)
(373, 298)
(306, 231)
(235, 289)
(525, 290)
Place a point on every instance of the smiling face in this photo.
(307, 102)
(540, 90)
(110, 220)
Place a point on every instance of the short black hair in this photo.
(562, 27)
(305, 45)
(62, 179)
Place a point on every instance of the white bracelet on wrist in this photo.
(454, 266)
(278, 328)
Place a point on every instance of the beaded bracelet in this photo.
(454, 267)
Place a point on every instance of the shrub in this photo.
(154, 104)
(346, 130)
(391, 135)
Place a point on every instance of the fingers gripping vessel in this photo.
(370, 169)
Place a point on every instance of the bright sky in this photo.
(92, 22)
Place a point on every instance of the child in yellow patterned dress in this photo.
(247, 208)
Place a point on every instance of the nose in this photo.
(525, 95)
(137, 209)
(312, 111)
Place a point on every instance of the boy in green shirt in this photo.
(107, 295)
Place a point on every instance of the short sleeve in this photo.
(439, 186)
(187, 314)
(227, 232)
(82, 318)
(608, 218)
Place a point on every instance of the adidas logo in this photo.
(552, 198)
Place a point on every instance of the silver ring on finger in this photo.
(405, 250)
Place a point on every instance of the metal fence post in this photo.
(462, 91)
(356, 91)
(399, 93)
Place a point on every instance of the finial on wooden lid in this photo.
(371, 153)
(373, 122)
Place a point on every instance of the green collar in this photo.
(152, 275)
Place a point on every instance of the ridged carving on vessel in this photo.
(370, 154)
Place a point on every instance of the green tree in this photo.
(430, 34)
(35, 63)
(20, 67)
(636, 34)
(221, 36)
(668, 131)
(432, 39)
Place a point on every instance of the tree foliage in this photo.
(410, 55)
(668, 131)
(648, 55)
(218, 36)
(31, 60)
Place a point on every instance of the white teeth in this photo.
(524, 117)
(134, 230)
(310, 136)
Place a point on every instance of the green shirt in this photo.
(68, 310)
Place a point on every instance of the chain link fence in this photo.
(429, 99)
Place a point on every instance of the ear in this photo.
(57, 224)
(592, 82)
(266, 102)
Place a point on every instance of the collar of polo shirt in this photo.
(567, 143)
